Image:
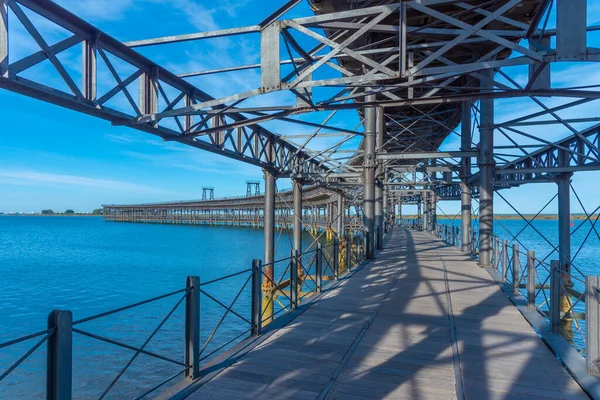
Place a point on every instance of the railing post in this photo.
(504, 259)
(516, 268)
(59, 366)
(592, 323)
(336, 254)
(365, 244)
(319, 267)
(348, 256)
(256, 296)
(496, 253)
(555, 295)
(531, 279)
(294, 280)
(192, 327)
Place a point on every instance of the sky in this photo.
(51, 157)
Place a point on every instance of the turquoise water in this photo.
(89, 266)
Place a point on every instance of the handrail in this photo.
(549, 288)
(294, 279)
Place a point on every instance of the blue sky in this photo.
(56, 158)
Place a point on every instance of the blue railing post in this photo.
(319, 267)
(256, 296)
(192, 327)
(59, 366)
(294, 279)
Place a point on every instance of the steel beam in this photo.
(486, 168)
(465, 199)
(369, 167)
(427, 155)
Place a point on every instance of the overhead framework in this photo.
(412, 72)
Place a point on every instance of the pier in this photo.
(390, 109)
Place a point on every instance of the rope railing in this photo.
(282, 285)
(554, 291)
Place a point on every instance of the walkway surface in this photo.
(420, 322)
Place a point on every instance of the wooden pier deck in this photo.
(422, 321)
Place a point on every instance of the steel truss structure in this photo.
(414, 71)
(428, 81)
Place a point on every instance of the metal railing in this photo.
(273, 288)
(564, 297)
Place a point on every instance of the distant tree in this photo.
(69, 211)
(98, 211)
(47, 212)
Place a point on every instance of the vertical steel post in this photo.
(486, 170)
(294, 260)
(3, 38)
(336, 254)
(504, 259)
(348, 255)
(465, 174)
(386, 199)
(516, 268)
(256, 296)
(555, 295)
(496, 252)
(425, 211)
(88, 76)
(369, 167)
(319, 267)
(400, 211)
(59, 357)
(340, 215)
(297, 184)
(592, 323)
(192, 327)
(564, 233)
(379, 177)
(269, 243)
(531, 279)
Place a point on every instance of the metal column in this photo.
(465, 174)
(340, 215)
(379, 177)
(564, 235)
(269, 234)
(486, 171)
(425, 212)
(386, 198)
(297, 215)
(3, 38)
(369, 178)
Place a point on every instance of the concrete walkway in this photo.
(420, 322)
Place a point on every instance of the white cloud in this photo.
(25, 177)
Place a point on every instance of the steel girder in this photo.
(247, 141)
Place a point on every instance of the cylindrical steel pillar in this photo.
(4, 39)
(341, 206)
(297, 184)
(269, 237)
(486, 171)
(386, 199)
(369, 167)
(465, 174)
(564, 235)
(425, 211)
(379, 174)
